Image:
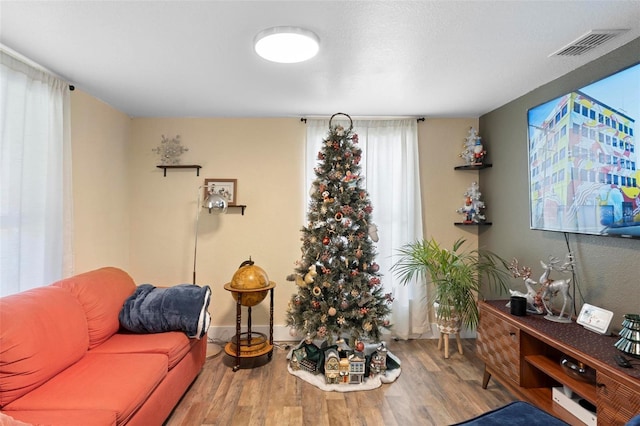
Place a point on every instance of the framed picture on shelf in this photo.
(227, 188)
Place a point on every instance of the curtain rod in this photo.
(20, 57)
(363, 117)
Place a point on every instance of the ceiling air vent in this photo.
(587, 42)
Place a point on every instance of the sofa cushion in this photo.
(174, 344)
(111, 382)
(63, 417)
(42, 332)
(102, 293)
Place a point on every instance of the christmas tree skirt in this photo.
(373, 382)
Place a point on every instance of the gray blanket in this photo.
(156, 310)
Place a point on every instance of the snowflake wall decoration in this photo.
(170, 150)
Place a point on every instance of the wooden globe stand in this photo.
(250, 344)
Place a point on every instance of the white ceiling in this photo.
(377, 58)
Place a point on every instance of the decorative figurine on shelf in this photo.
(474, 152)
(551, 288)
(478, 153)
(473, 207)
(534, 299)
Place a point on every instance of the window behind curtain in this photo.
(35, 177)
(392, 179)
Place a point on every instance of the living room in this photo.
(113, 155)
(129, 215)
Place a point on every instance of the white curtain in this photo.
(35, 177)
(392, 178)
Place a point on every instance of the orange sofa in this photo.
(64, 360)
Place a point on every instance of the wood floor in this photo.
(430, 390)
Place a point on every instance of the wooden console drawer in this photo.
(498, 345)
(617, 403)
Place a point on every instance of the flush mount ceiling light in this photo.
(286, 45)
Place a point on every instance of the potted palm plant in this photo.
(456, 276)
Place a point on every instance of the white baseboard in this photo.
(281, 333)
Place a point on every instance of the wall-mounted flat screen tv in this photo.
(583, 160)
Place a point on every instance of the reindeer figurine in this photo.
(534, 300)
(551, 288)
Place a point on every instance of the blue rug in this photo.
(517, 413)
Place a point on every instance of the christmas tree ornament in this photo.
(373, 232)
(310, 276)
(322, 331)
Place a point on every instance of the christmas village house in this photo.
(332, 367)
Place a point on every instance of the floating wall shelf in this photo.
(472, 167)
(181, 166)
(239, 206)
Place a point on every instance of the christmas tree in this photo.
(340, 294)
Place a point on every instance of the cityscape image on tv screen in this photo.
(583, 163)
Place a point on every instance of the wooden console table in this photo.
(524, 353)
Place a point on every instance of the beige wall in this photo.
(440, 144)
(100, 139)
(607, 267)
(128, 215)
(145, 223)
(266, 157)
(443, 188)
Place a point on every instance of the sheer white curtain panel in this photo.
(390, 166)
(35, 177)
